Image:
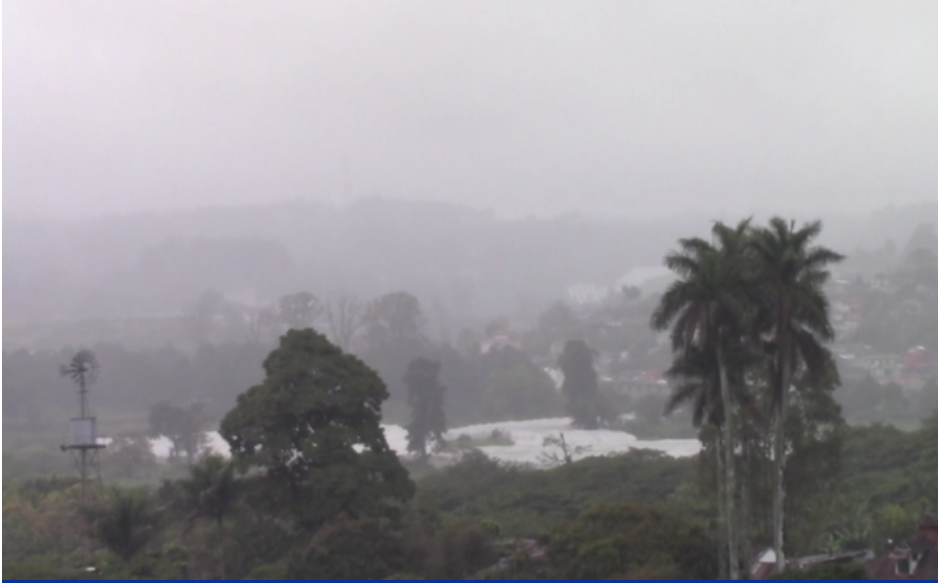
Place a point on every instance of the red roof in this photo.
(918, 356)
(924, 546)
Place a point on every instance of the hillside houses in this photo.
(846, 309)
(912, 559)
(909, 370)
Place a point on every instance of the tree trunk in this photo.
(745, 485)
(722, 539)
(780, 453)
(730, 455)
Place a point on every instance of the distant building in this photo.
(585, 295)
(919, 365)
(883, 367)
(918, 357)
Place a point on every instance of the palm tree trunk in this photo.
(730, 455)
(779, 455)
(745, 484)
(722, 540)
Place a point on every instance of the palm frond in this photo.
(821, 257)
(682, 264)
(817, 359)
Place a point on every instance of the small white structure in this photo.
(84, 432)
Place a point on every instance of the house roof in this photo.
(924, 545)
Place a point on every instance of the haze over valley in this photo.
(431, 289)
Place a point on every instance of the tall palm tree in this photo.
(707, 307)
(792, 272)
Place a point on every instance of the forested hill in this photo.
(460, 261)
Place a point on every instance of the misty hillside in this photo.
(457, 258)
(463, 263)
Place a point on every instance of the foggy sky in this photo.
(525, 107)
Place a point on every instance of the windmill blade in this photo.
(83, 369)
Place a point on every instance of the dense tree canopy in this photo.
(633, 541)
(313, 427)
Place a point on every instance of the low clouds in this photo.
(540, 107)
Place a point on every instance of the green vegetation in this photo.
(748, 315)
(630, 540)
(581, 386)
(314, 491)
(312, 429)
(471, 501)
(527, 502)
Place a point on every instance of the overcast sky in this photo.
(530, 106)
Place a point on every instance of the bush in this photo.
(350, 549)
(629, 540)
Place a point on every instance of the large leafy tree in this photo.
(708, 307)
(394, 317)
(580, 384)
(425, 396)
(312, 427)
(792, 271)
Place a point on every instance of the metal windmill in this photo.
(83, 370)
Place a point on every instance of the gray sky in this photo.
(526, 107)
